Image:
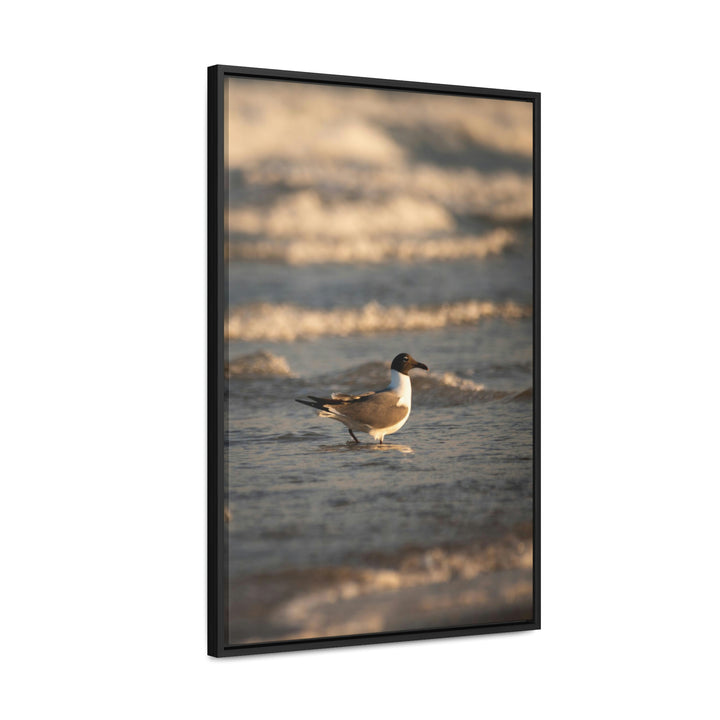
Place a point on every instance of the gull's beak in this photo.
(420, 365)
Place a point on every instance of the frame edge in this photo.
(216, 646)
(382, 83)
(215, 378)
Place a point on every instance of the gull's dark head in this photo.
(404, 363)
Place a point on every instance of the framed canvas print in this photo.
(373, 373)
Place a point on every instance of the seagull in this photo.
(378, 413)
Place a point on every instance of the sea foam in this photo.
(457, 581)
(502, 195)
(285, 322)
(305, 214)
(259, 364)
(364, 249)
(298, 120)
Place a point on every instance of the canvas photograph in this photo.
(377, 473)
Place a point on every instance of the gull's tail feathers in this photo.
(318, 403)
(326, 407)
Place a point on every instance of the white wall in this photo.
(102, 300)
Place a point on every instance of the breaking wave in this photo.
(438, 585)
(286, 322)
(304, 214)
(294, 120)
(503, 195)
(259, 364)
(362, 249)
(449, 389)
(438, 389)
(348, 603)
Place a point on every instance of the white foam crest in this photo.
(363, 249)
(259, 364)
(287, 322)
(449, 389)
(501, 195)
(452, 380)
(505, 126)
(304, 215)
(294, 121)
(297, 120)
(435, 567)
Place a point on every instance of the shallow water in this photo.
(340, 260)
(303, 497)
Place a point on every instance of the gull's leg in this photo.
(353, 435)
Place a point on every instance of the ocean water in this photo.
(362, 224)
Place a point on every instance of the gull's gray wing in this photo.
(379, 410)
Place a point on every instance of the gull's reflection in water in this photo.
(352, 446)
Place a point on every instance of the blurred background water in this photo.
(362, 224)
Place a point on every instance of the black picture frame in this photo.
(217, 385)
